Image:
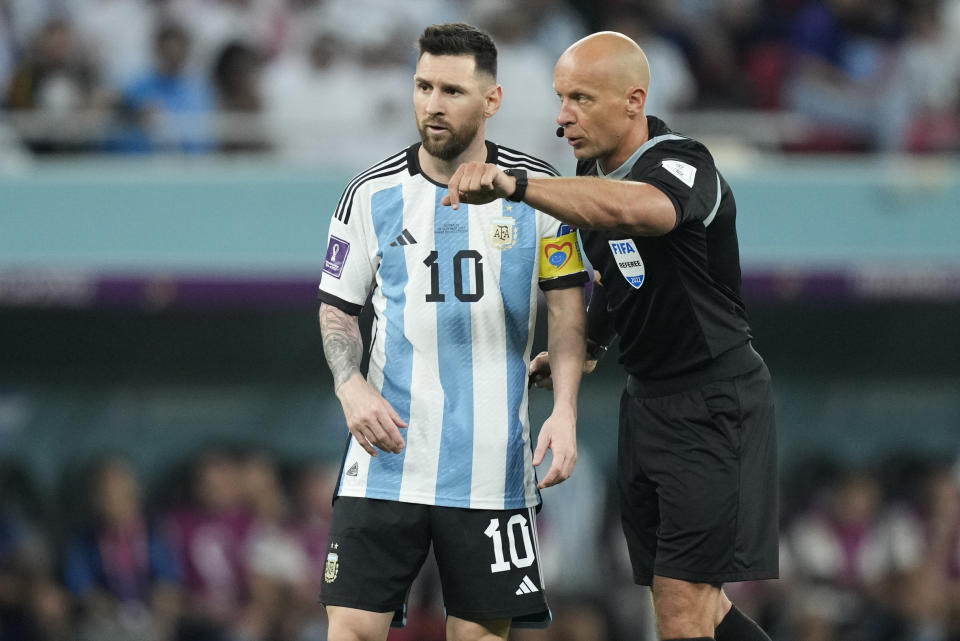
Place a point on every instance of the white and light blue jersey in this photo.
(455, 305)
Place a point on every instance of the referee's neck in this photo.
(637, 135)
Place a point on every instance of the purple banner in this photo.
(66, 289)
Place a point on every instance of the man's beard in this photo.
(454, 145)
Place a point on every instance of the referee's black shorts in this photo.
(697, 477)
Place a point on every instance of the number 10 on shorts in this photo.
(517, 521)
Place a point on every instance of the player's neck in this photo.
(441, 171)
(637, 135)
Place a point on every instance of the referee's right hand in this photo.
(370, 417)
(539, 373)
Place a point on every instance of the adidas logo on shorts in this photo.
(354, 470)
(527, 586)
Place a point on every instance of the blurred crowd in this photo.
(231, 546)
(316, 78)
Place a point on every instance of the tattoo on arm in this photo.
(342, 344)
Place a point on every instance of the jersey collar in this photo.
(662, 133)
(413, 159)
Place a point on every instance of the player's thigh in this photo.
(489, 564)
(637, 495)
(374, 551)
(462, 630)
(350, 624)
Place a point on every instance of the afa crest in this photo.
(503, 232)
(331, 568)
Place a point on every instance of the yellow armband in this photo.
(560, 256)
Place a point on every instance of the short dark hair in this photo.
(460, 39)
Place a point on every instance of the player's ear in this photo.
(492, 100)
(636, 100)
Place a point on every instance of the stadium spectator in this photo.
(54, 80)
(837, 551)
(7, 49)
(210, 534)
(306, 122)
(923, 575)
(276, 561)
(524, 71)
(118, 34)
(844, 76)
(674, 86)
(236, 77)
(121, 567)
(170, 107)
(25, 19)
(215, 24)
(930, 59)
(33, 604)
(313, 487)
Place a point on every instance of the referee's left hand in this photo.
(477, 183)
(559, 435)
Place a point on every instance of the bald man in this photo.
(697, 447)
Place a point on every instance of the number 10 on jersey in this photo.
(436, 296)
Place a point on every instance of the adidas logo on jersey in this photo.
(354, 470)
(527, 586)
(406, 238)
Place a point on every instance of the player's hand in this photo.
(559, 435)
(370, 418)
(477, 183)
(539, 371)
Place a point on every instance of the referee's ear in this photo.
(636, 100)
(492, 100)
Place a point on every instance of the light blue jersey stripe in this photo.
(455, 355)
(516, 267)
(386, 470)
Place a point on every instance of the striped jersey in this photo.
(454, 296)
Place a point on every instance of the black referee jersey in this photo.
(674, 300)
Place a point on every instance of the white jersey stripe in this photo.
(387, 207)
(518, 156)
(490, 417)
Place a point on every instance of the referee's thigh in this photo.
(708, 455)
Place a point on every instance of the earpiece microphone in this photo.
(559, 132)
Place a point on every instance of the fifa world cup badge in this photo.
(503, 232)
(331, 568)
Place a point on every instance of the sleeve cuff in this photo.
(345, 306)
(565, 282)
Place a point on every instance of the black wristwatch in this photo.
(521, 176)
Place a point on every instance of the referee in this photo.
(697, 471)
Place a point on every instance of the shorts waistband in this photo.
(733, 362)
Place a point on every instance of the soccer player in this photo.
(440, 451)
(697, 450)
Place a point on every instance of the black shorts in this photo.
(697, 478)
(488, 559)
